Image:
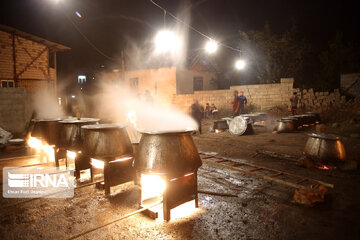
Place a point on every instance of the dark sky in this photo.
(113, 24)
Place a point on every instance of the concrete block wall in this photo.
(15, 109)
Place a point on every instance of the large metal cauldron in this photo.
(106, 141)
(325, 148)
(240, 125)
(47, 130)
(71, 134)
(173, 153)
(315, 115)
(285, 125)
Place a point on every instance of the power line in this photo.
(192, 28)
(88, 40)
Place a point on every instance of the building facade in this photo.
(165, 82)
(27, 61)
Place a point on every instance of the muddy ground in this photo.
(261, 210)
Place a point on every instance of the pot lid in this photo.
(103, 126)
(238, 126)
(250, 115)
(81, 120)
(176, 131)
(288, 119)
(285, 120)
(51, 119)
(291, 118)
(325, 136)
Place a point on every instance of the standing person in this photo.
(207, 110)
(213, 110)
(294, 102)
(243, 102)
(236, 103)
(148, 98)
(197, 113)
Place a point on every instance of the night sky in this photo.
(113, 24)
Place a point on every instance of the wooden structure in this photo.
(27, 60)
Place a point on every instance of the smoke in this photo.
(46, 105)
(113, 103)
(152, 114)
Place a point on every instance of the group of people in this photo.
(210, 110)
(198, 112)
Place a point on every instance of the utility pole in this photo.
(122, 67)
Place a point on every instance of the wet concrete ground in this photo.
(261, 210)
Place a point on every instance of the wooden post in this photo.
(166, 207)
(122, 67)
(196, 191)
(106, 178)
(14, 59)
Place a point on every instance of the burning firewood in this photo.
(309, 198)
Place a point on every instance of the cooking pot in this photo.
(47, 130)
(295, 120)
(285, 126)
(106, 141)
(325, 147)
(240, 125)
(71, 135)
(222, 125)
(300, 118)
(308, 119)
(172, 152)
(316, 116)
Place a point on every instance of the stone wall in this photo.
(15, 109)
(263, 97)
(260, 96)
(350, 83)
(319, 101)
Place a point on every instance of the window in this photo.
(81, 79)
(198, 83)
(134, 83)
(7, 83)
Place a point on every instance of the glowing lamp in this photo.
(211, 46)
(166, 41)
(240, 64)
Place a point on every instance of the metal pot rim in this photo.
(81, 120)
(179, 131)
(103, 126)
(325, 136)
(48, 119)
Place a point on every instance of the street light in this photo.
(211, 46)
(240, 64)
(166, 41)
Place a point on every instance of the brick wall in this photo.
(15, 109)
(30, 76)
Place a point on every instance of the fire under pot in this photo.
(166, 164)
(71, 140)
(111, 153)
(325, 149)
(45, 138)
